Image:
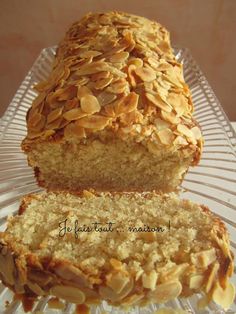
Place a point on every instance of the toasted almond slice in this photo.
(100, 75)
(196, 132)
(157, 101)
(183, 129)
(132, 299)
(203, 258)
(153, 62)
(196, 281)
(68, 293)
(224, 297)
(74, 114)
(83, 91)
(7, 268)
(126, 104)
(161, 124)
(149, 280)
(56, 124)
(101, 84)
(35, 288)
(212, 277)
(66, 93)
(33, 118)
(180, 141)
(166, 136)
(116, 264)
(170, 117)
(146, 74)
(89, 54)
(73, 129)
(166, 291)
(174, 272)
(71, 104)
(38, 100)
(131, 76)
(92, 68)
(90, 104)
(137, 62)
(94, 122)
(119, 57)
(55, 303)
(118, 87)
(105, 98)
(55, 114)
(117, 281)
(40, 125)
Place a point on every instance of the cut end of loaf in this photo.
(191, 253)
(114, 165)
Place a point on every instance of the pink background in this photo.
(207, 27)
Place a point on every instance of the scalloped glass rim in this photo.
(212, 182)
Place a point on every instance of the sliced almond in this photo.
(7, 268)
(131, 76)
(55, 303)
(101, 84)
(166, 136)
(204, 258)
(90, 104)
(149, 280)
(119, 57)
(212, 277)
(224, 297)
(137, 62)
(33, 118)
(126, 104)
(166, 291)
(118, 87)
(74, 114)
(132, 299)
(117, 281)
(183, 129)
(146, 74)
(89, 54)
(157, 101)
(196, 282)
(116, 264)
(170, 117)
(83, 91)
(196, 132)
(100, 75)
(179, 140)
(105, 98)
(71, 104)
(36, 288)
(54, 114)
(93, 122)
(73, 129)
(68, 293)
(66, 93)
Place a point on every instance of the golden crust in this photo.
(206, 271)
(115, 73)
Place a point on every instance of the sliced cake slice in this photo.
(127, 249)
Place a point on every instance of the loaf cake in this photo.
(115, 112)
(126, 248)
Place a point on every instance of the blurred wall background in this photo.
(206, 27)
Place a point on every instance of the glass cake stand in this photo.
(212, 182)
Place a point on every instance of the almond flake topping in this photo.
(90, 104)
(157, 101)
(146, 74)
